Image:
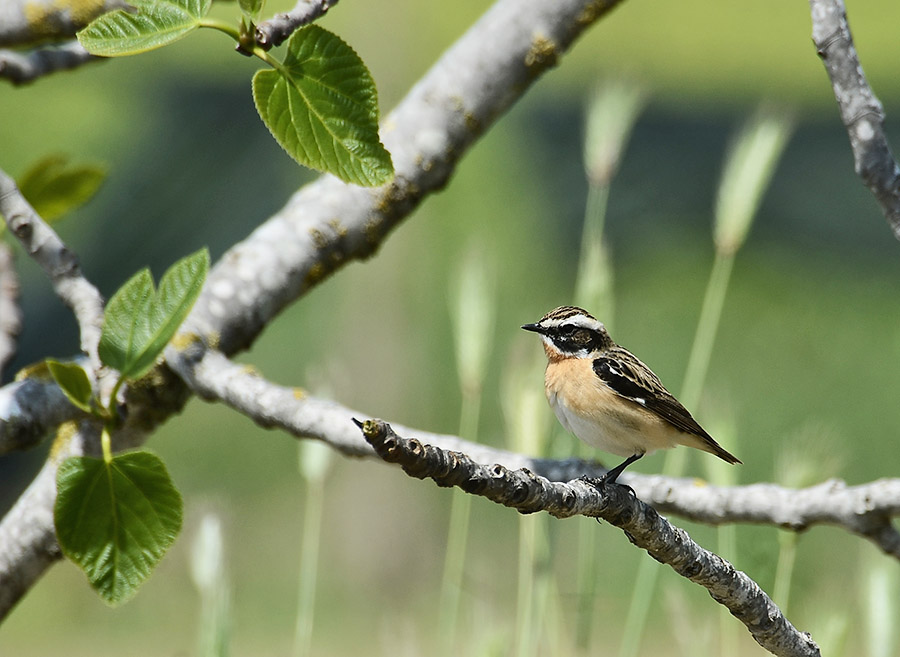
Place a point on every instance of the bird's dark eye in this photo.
(567, 330)
(582, 336)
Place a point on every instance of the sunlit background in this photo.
(802, 382)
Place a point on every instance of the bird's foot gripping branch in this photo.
(529, 493)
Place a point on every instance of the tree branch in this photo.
(473, 83)
(10, 313)
(27, 533)
(529, 493)
(27, 536)
(865, 510)
(861, 111)
(329, 223)
(273, 32)
(27, 22)
(59, 263)
(22, 67)
(29, 410)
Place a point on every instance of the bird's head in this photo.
(570, 332)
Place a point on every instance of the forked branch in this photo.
(60, 264)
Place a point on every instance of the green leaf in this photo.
(322, 108)
(55, 187)
(116, 520)
(74, 382)
(139, 322)
(153, 24)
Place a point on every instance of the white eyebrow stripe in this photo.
(577, 320)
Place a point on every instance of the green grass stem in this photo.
(674, 465)
(309, 564)
(457, 539)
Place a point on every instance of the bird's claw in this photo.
(600, 482)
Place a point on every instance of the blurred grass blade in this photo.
(612, 112)
(211, 579)
(594, 281)
(882, 606)
(525, 410)
(723, 474)
(472, 316)
(55, 187)
(525, 414)
(472, 313)
(794, 469)
(153, 24)
(749, 167)
(321, 106)
(314, 459)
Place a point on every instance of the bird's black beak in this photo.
(537, 328)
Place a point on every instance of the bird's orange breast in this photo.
(591, 410)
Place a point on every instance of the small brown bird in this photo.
(607, 397)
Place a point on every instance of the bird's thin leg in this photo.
(613, 474)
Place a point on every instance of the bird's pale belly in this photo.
(623, 429)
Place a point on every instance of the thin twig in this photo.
(59, 263)
(22, 67)
(10, 313)
(861, 111)
(273, 32)
(530, 493)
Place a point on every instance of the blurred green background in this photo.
(802, 367)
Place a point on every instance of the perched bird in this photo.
(607, 397)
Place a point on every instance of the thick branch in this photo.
(27, 537)
(59, 263)
(10, 313)
(26, 532)
(22, 67)
(29, 410)
(28, 22)
(329, 223)
(276, 30)
(529, 493)
(861, 111)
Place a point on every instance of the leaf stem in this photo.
(106, 445)
(235, 34)
(227, 28)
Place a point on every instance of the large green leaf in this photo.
(116, 520)
(153, 24)
(138, 322)
(322, 107)
(54, 187)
